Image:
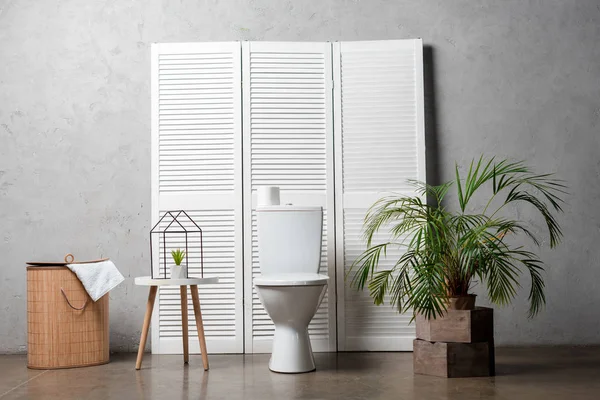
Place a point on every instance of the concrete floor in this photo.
(523, 373)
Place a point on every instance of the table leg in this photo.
(184, 323)
(199, 325)
(146, 326)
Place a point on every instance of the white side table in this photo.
(183, 284)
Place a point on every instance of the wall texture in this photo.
(518, 78)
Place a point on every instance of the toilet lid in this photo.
(291, 279)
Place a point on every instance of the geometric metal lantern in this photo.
(179, 222)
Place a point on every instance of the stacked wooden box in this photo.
(459, 344)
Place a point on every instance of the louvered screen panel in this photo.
(379, 145)
(196, 121)
(196, 166)
(362, 318)
(288, 143)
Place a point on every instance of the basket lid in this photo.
(45, 264)
(69, 259)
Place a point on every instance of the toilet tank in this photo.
(289, 239)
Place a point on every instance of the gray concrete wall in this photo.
(514, 78)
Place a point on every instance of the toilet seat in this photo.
(291, 279)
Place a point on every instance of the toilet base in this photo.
(292, 373)
(291, 309)
(292, 352)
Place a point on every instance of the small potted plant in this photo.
(178, 271)
(447, 247)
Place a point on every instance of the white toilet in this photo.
(290, 287)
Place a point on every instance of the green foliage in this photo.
(178, 256)
(444, 252)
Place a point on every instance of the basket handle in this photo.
(70, 259)
(71, 305)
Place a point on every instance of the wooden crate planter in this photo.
(453, 360)
(459, 344)
(458, 326)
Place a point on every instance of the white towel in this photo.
(97, 278)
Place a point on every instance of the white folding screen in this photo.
(196, 166)
(288, 142)
(228, 117)
(379, 144)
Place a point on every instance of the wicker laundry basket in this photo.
(65, 327)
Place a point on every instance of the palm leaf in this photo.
(445, 251)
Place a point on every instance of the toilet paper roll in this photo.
(268, 196)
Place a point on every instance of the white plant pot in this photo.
(178, 271)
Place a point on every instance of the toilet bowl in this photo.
(289, 287)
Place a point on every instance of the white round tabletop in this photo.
(149, 281)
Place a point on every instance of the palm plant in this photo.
(445, 252)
